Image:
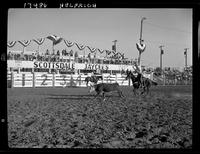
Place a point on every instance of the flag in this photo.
(140, 47)
(55, 39)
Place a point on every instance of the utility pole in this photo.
(161, 53)
(185, 53)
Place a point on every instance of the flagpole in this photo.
(38, 48)
(139, 57)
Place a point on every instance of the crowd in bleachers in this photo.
(172, 73)
(64, 56)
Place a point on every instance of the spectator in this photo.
(47, 52)
(9, 56)
(89, 57)
(63, 52)
(76, 56)
(71, 53)
(58, 53)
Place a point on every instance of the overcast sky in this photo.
(99, 27)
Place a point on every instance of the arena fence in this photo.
(76, 80)
(58, 80)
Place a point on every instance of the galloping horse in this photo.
(93, 79)
(106, 87)
(137, 82)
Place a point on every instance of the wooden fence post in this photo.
(12, 79)
(23, 79)
(53, 82)
(164, 79)
(33, 79)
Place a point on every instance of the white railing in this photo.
(59, 80)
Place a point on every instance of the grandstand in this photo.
(32, 68)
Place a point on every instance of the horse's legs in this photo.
(104, 96)
(96, 95)
(134, 91)
(120, 93)
(144, 89)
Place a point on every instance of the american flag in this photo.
(55, 39)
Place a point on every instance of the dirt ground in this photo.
(72, 118)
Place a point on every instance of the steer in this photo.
(105, 87)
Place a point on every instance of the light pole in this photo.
(185, 53)
(161, 53)
(141, 40)
(114, 47)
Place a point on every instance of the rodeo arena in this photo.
(88, 97)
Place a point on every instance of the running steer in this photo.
(105, 87)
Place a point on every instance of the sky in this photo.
(98, 28)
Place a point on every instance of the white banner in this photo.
(66, 65)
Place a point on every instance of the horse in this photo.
(106, 87)
(140, 81)
(93, 79)
(135, 81)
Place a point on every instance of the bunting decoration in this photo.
(113, 52)
(100, 50)
(81, 47)
(11, 44)
(121, 55)
(92, 49)
(55, 39)
(140, 47)
(68, 43)
(25, 43)
(39, 41)
(108, 52)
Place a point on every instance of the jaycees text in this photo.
(54, 65)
